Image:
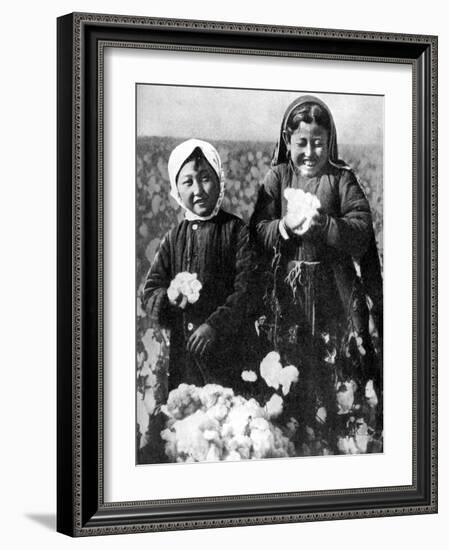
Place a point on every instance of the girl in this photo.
(317, 301)
(208, 322)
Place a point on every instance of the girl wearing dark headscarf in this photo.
(324, 285)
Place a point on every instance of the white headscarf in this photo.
(177, 159)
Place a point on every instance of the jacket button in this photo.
(190, 326)
(195, 226)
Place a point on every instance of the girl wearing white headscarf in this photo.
(207, 331)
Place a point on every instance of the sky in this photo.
(236, 114)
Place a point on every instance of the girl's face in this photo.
(198, 187)
(308, 148)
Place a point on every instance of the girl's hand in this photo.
(200, 341)
(316, 224)
(179, 301)
(292, 224)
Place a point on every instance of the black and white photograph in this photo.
(223, 292)
(259, 274)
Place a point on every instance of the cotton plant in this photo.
(275, 376)
(151, 393)
(355, 341)
(302, 207)
(347, 399)
(212, 423)
(370, 394)
(358, 439)
(186, 285)
(345, 396)
(357, 408)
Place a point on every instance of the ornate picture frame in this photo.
(82, 509)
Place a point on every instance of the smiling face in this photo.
(308, 146)
(198, 186)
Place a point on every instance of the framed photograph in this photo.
(247, 277)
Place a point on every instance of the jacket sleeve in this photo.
(229, 317)
(353, 230)
(158, 280)
(265, 220)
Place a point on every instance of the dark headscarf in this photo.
(280, 154)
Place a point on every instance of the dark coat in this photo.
(346, 233)
(218, 251)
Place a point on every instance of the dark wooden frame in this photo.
(81, 509)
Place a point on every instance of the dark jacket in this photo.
(346, 232)
(218, 251)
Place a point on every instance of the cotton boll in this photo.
(184, 277)
(233, 455)
(346, 445)
(270, 368)
(241, 444)
(331, 356)
(170, 444)
(259, 424)
(289, 193)
(151, 380)
(274, 406)
(249, 376)
(303, 206)
(240, 415)
(195, 286)
(191, 289)
(321, 415)
(236, 422)
(189, 435)
(355, 342)
(213, 454)
(188, 459)
(288, 376)
(209, 394)
(218, 411)
(362, 437)
(275, 375)
(210, 435)
(211, 423)
(182, 401)
(192, 297)
(345, 396)
(263, 441)
(172, 292)
(186, 284)
(253, 409)
(370, 394)
(227, 394)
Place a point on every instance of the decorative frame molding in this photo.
(81, 42)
